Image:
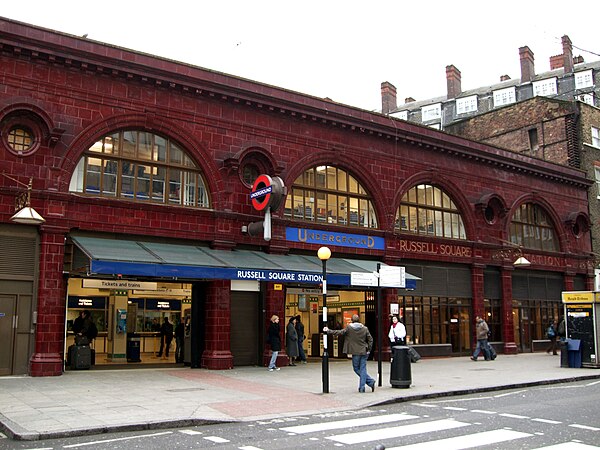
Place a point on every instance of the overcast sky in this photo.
(329, 48)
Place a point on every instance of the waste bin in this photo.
(574, 348)
(133, 349)
(400, 375)
(564, 354)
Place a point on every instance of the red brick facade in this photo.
(76, 91)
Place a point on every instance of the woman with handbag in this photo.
(397, 332)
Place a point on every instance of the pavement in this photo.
(99, 401)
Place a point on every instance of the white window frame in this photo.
(466, 104)
(504, 96)
(597, 176)
(431, 112)
(596, 137)
(586, 98)
(401, 115)
(584, 79)
(545, 87)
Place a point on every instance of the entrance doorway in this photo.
(245, 328)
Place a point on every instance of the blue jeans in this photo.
(272, 364)
(481, 344)
(359, 364)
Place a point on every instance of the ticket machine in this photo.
(582, 320)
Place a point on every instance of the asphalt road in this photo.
(557, 417)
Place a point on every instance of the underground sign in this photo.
(267, 191)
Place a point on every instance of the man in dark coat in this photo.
(166, 336)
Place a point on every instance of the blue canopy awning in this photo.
(165, 260)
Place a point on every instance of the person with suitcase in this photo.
(482, 329)
(81, 355)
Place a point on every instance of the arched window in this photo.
(427, 210)
(531, 227)
(140, 166)
(326, 194)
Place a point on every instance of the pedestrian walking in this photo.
(482, 331)
(301, 338)
(552, 334)
(274, 340)
(291, 340)
(358, 342)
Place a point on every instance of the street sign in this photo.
(363, 279)
(392, 276)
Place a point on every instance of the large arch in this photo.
(434, 178)
(354, 168)
(150, 123)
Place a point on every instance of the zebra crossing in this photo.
(397, 427)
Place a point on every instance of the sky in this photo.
(342, 50)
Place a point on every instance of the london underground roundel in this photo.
(261, 192)
(267, 192)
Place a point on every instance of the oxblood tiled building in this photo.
(143, 167)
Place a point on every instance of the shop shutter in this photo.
(520, 286)
(18, 256)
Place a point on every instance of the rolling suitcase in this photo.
(414, 355)
(80, 357)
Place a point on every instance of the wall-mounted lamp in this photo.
(24, 213)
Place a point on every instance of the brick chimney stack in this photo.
(453, 83)
(527, 67)
(388, 97)
(567, 54)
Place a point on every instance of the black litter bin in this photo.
(564, 354)
(400, 374)
(133, 349)
(574, 348)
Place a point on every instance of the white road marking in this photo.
(592, 383)
(249, 447)
(394, 432)
(483, 411)
(567, 446)
(3, 436)
(324, 426)
(190, 432)
(118, 439)
(426, 405)
(584, 427)
(467, 441)
(553, 422)
(510, 393)
(216, 439)
(454, 408)
(513, 416)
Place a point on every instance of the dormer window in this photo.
(504, 96)
(466, 104)
(545, 87)
(431, 112)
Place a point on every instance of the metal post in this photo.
(325, 353)
(379, 331)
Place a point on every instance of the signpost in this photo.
(386, 276)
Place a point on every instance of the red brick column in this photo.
(217, 354)
(51, 307)
(508, 325)
(477, 281)
(275, 304)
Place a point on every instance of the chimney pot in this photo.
(453, 81)
(527, 65)
(388, 97)
(567, 54)
(409, 100)
(504, 78)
